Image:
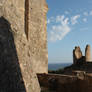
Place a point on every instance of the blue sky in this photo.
(69, 24)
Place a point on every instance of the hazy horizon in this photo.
(59, 62)
(68, 25)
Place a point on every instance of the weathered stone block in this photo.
(38, 35)
(24, 44)
(88, 53)
(77, 54)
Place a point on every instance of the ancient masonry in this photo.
(88, 53)
(77, 55)
(23, 44)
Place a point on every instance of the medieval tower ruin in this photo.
(88, 53)
(23, 44)
(77, 55)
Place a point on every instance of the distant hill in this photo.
(57, 66)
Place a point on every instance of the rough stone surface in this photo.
(38, 35)
(66, 83)
(88, 53)
(77, 54)
(22, 58)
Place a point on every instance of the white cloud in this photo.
(60, 18)
(52, 18)
(74, 19)
(61, 26)
(84, 29)
(91, 13)
(86, 13)
(48, 21)
(58, 32)
(84, 19)
(66, 12)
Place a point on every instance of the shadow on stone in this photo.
(10, 74)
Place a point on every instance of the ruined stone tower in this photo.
(23, 44)
(77, 54)
(78, 57)
(88, 53)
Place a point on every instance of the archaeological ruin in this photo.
(74, 78)
(78, 56)
(88, 54)
(23, 44)
(24, 55)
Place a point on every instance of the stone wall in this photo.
(38, 35)
(65, 83)
(24, 42)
